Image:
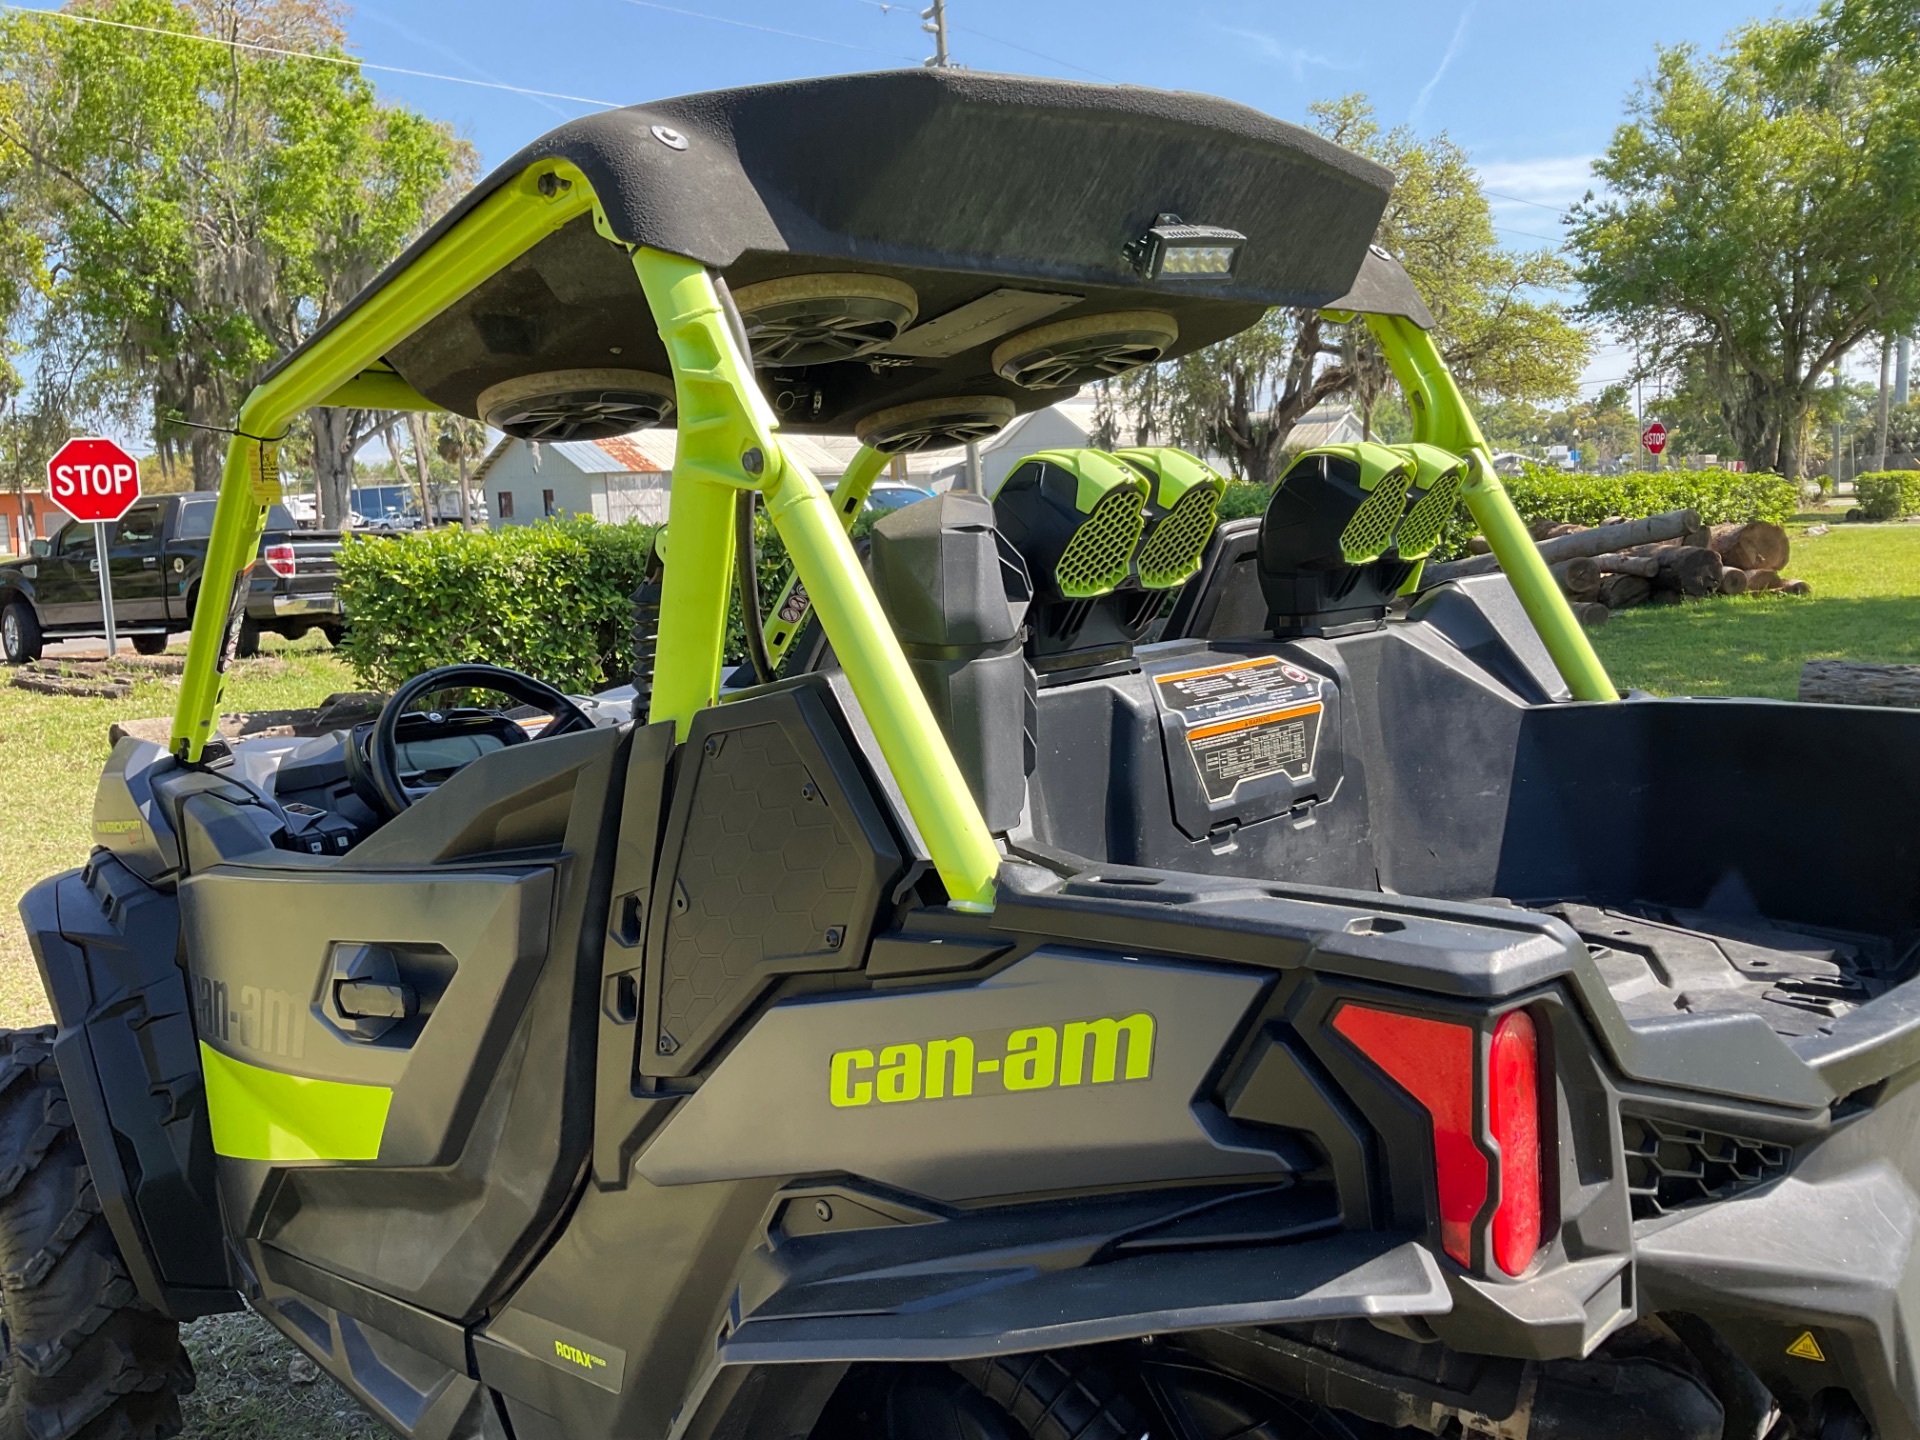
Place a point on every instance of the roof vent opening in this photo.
(577, 404)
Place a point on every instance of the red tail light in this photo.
(1513, 1115)
(279, 560)
(1433, 1061)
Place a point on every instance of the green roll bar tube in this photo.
(726, 443)
(790, 611)
(1441, 417)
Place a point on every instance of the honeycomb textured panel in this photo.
(1172, 552)
(1671, 1166)
(1427, 520)
(771, 868)
(1370, 531)
(1100, 553)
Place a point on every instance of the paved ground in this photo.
(95, 649)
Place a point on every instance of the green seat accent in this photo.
(1369, 532)
(1100, 554)
(1437, 475)
(1427, 521)
(260, 1114)
(1172, 552)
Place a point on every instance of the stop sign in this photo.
(93, 479)
(1654, 438)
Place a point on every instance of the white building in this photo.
(628, 477)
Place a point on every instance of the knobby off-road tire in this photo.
(81, 1355)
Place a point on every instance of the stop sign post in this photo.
(95, 481)
(1654, 437)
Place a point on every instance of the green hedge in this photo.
(550, 599)
(1888, 494)
(1721, 496)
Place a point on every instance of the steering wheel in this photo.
(383, 740)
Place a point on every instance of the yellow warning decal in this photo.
(1806, 1347)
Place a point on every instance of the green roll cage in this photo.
(728, 443)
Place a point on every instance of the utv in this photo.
(1130, 976)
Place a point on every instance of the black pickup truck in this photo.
(158, 551)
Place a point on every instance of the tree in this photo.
(1763, 214)
(1244, 395)
(203, 207)
(461, 442)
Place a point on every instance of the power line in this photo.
(1550, 239)
(1037, 54)
(346, 60)
(763, 29)
(1557, 210)
(887, 7)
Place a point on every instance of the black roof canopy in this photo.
(959, 185)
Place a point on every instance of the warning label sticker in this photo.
(1245, 720)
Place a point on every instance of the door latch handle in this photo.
(365, 995)
(375, 1000)
(150, 560)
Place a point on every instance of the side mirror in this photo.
(41, 549)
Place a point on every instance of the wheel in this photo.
(149, 644)
(83, 1357)
(336, 633)
(247, 644)
(20, 636)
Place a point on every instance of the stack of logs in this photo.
(1662, 559)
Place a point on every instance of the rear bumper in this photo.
(322, 603)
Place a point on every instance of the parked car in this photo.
(889, 495)
(158, 551)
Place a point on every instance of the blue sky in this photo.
(1533, 90)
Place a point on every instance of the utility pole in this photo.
(1880, 436)
(1902, 363)
(933, 20)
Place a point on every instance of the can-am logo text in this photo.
(1037, 1057)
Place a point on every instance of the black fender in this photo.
(900, 1295)
(107, 945)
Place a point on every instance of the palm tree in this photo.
(461, 442)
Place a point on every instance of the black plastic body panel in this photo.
(509, 948)
(776, 860)
(107, 947)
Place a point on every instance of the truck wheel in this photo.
(83, 1357)
(149, 644)
(248, 644)
(20, 637)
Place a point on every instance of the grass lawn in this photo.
(52, 748)
(51, 751)
(1865, 606)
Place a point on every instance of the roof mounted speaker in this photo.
(1084, 349)
(577, 404)
(934, 424)
(818, 319)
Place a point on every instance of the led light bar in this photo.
(1171, 249)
